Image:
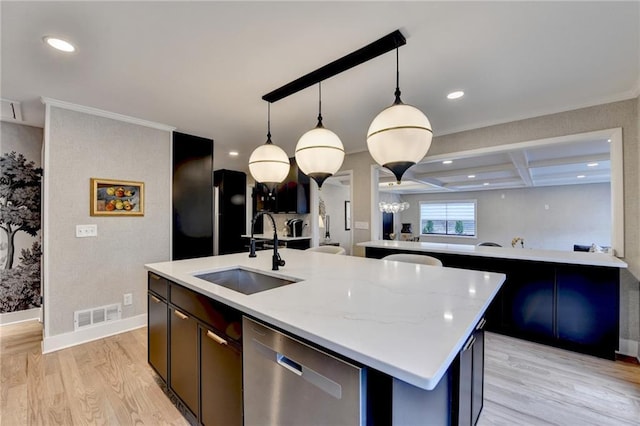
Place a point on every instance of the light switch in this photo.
(84, 231)
(362, 225)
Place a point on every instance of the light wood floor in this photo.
(531, 384)
(109, 382)
(103, 382)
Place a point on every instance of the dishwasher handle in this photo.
(289, 364)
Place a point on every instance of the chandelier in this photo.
(393, 207)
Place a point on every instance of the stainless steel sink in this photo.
(245, 281)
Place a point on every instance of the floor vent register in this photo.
(96, 316)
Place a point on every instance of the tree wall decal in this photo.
(19, 199)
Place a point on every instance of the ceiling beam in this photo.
(521, 163)
(570, 160)
(466, 171)
(383, 45)
(493, 183)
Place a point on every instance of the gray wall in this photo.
(89, 272)
(577, 214)
(624, 114)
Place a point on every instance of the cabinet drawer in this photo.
(158, 285)
(223, 318)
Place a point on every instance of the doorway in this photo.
(334, 208)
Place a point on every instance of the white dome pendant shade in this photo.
(269, 164)
(319, 152)
(399, 136)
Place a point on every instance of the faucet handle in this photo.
(252, 247)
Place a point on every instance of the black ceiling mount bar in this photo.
(385, 44)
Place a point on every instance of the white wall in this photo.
(334, 197)
(577, 214)
(82, 273)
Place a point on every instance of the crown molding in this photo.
(106, 114)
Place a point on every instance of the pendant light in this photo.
(269, 164)
(319, 152)
(400, 135)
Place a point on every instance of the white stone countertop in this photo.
(406, 320)
(270, 237)
(553, 256)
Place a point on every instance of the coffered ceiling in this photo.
(204, 66)
(577, 160)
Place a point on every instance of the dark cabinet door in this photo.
(221, 380)
(158, 334)
(588, 306)
(477, 393)
(264, 199)
(184, 358)
(192, 196)
(293, 195)
(528, 301)
(470, 388)
(465, 384)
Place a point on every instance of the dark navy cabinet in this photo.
(575, 307)
(588, 307)
(528, 300)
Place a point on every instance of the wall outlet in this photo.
(84, 231)
(128, 299)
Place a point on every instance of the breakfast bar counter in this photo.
(561, 298)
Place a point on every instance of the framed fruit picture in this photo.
(116, 198)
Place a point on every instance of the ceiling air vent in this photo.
(11, 110)
(96, 316)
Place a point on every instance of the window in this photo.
(457, 218)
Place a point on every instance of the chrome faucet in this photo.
(276, 261)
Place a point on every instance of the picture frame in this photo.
(110, 197)
(347, 215)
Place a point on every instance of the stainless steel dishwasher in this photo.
(287, 382)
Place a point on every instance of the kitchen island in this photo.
(561, 298)
(408, 323)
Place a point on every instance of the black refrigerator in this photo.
(192, 196)
(230, 211)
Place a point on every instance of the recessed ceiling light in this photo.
(447, 162)
(581, 176)
(486, 184)
(471, 176)
(233, 153)
(609, 140)
(58, 43)
(455, 95)
(592, 164)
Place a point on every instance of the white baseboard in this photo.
(21, 316)
(629, 348)
(66, 340)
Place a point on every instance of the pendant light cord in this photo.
(397, 92)
(319, 104)
(269, 122)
